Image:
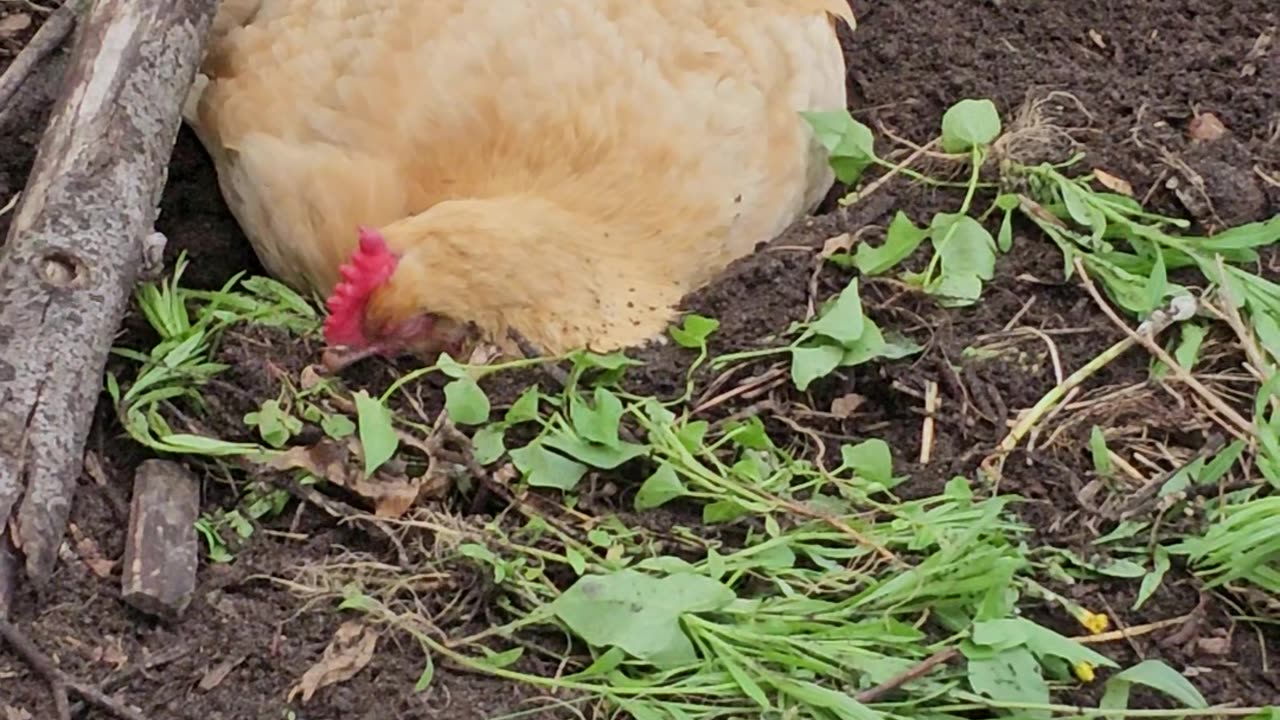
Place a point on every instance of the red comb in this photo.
(370, 265)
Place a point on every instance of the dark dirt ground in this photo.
(1142, 69)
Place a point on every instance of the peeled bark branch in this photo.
(75, 247)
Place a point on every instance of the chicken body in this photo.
(569, 169)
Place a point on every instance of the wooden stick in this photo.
(929, 428)
(75, 247)
(924, 667)
(158, 574)
(8, 575)
(47, 39)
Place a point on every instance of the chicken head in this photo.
(353, 333)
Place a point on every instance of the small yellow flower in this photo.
(1083, 671)
(1094, 622)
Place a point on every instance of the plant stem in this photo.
(482, 369)
(1055, 394)
(972, 185)
(723, 360)
(980, 703)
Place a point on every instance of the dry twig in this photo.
(59, 681)
(928, 429)
(941, 657)
(46, 40)
(1243, 428)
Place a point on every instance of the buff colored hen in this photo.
(452, 170)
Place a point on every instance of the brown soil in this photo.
(1141, 69)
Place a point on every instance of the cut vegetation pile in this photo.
(997, 435)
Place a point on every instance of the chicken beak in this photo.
(337, 359)
(459, 340)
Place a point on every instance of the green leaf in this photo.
(601, 456)
(1120, 568)
(656, 413)
(1255, 234)
(1008, 201)
(1156, 675)
(774, 556)
(871, 459)
(1157, 283)
(809, 363)
(969, 124)
(1188, 350)
(691, 435)
(666, 565)
(967, 254)
(525, 408)
(1268, 331)
(750, 434)
(842, 319)
(1011, 676)
(814, 695)
(612, 366)
(829, 126)
(647, 710)
(1098, 448)
(1045, 642)
(1151, 582)
(239, 523)
(476, 551)
(354, 599)
(450, 367)
(274, 424)
(1006, 633)
(749, 687)
(965, 246)
(1080, 209)
(576, 560)
(377, 435)
(465, 402)
(957, 289)
(1125, 288)
(873, 345)
(901, 239)
(337, 426)
(897, 346)
(499, 660)
(1124, 531)
(723, 511)
(849, 143)
(598, 424)
(489, 443)
(1004, 238)
(428, 675)
(695, 331)
(201, 445)
(543, 468)
(1221, 463)
(663, 486)
(640, 613)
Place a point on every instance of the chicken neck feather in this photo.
(561, 279)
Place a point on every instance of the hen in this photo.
(452, 170)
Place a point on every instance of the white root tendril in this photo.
(1180, 308)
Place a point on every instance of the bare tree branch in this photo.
(75, 247)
